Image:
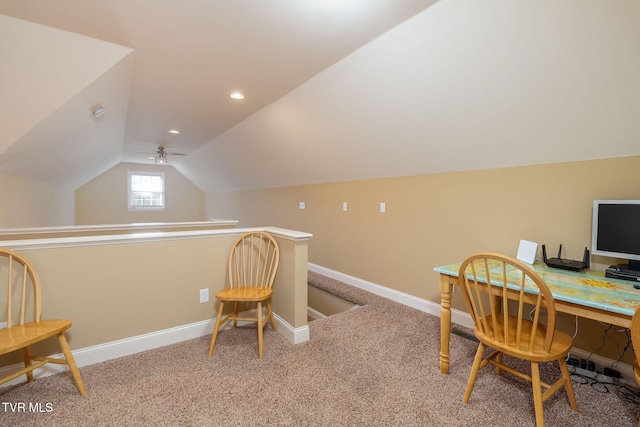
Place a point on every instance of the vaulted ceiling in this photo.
(334, 90)
(188, 57)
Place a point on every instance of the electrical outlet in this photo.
(204, 295)
(588, 365)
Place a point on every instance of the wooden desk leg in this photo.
(445, 322)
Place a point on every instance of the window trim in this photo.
(132, 208)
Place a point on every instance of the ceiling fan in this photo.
(161, 157)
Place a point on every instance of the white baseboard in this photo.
(294, 335)
(124, 347)
(458, 317)
(315, 314)
(421, 304)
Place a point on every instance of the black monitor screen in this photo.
(619, 228)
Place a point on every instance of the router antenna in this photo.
(585, 258)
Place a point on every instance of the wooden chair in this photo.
(253, 264)
(490, 284)
(635, 339)
(23, 289)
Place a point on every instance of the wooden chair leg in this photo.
(568, 386)
(235, 314)
(260, 331)
(75, 372)
(537, 394)
(215, 329)
(273, 323)
(474, 373)
(26, 355)
(499, 360)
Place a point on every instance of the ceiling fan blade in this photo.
(155, 153)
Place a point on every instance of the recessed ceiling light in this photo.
(174, 131)
(237, 95)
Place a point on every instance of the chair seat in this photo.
(560, 346)
(244, 294)
(17, 337)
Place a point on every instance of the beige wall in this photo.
(117, 291)
(104, 199)
(27, 203)
(437, 219)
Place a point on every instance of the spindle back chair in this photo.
(514, 313)
(252, 266)
(20, 288)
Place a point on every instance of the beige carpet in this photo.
(376, 365)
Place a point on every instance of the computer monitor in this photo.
(616, 231)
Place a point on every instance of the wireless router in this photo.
(566, 264)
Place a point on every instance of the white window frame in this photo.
(130, 192)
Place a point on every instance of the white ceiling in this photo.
(191, 54)
(338, 90)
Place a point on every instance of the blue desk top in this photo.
(589, 288)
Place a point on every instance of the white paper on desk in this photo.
(527, 251)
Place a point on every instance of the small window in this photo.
(146, 191)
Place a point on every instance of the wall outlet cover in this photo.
(204, 295)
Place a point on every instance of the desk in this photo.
(587, 294)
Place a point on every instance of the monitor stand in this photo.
(630, 271)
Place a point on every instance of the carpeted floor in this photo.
(376, 365)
